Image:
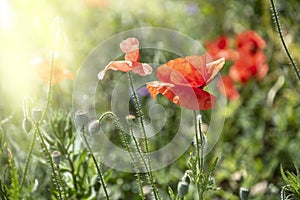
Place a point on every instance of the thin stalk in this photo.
(99, 171)
(277, 23)
(114, 117)
(61, 181)
(48, 155)
(141, 120)
(199, 154)
(52, 62)
(27, 161)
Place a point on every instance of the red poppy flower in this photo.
(130, 47)
(249, 65)
(220, 47)
(182, 81)
(250, 41)
(227, 88)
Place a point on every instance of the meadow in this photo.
(115, 99)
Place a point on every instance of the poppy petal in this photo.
(124, 66)
(130, 47)
(180, 72)
(207, 70)
(192, 98)
(142, 69)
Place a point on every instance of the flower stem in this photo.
(27, 161)
(199, 154)
(141, 120)
(99, 171)
(277, 23)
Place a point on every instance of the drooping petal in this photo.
(142, 69)
(192, 98)
(124, 66)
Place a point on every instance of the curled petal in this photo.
(124, 66)
(192, 98)
(129, 45)
(207, 70)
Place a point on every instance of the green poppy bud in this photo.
(93, 127)
(56, 155)
(27, 125)
(36, 114)
(81, 118)
(244, 193)
(182, 189)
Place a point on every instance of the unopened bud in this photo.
(130, 119)
(27, 125)
(244, 193)
(81, 118)
(93, 127)
(56, 155)
(36, 114)
(182, 188)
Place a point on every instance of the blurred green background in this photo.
(260, 131)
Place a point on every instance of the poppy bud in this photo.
(81, 118)
(130, 119)
(36, 114)
(182, 189)
(244, 193)
(26, 125)
(56, 155)
(93, 127)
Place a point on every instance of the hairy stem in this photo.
(27, 161)
(99, 171)
(277, 23)
(142, 124)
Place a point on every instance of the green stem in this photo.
(141, 120)
(276, 20)
(99, 171)
(61, 182)
(199, 154)
(48, 155)
(27, 161)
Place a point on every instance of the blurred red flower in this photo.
(226, 86)
(182, 81)
(250, 41)
(130, 47)
(220, 47)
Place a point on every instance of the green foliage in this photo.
(291, 189)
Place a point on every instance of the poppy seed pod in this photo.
(93, 127)
(26, 125)
(81, 118)
(244, 193)
(36, 114)
(56, 155)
